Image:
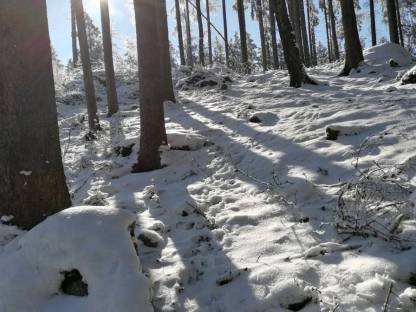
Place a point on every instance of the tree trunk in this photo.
(311, 34)
(259, 9)
(155, 79)
(201, 33)
(86, 67)
(190, 56)
(110, 81)
(353, 50)
(294, 13)
(243, 36)
(209, 33)
(305, 44)
(327, 31)
(179, 29)
(224, 18)
(335, 47)
(392, 17)
(272, 22)
(373, 24)
(74, 36)
(291, 52)
(32, 181)
(399, 23)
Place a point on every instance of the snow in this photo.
(94, 240)
(245, 216)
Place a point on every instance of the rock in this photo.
(409, 77)
(393, 63)
(73, 284)
(255, 119)
(332, 134)
(124, 151)
(151, 238)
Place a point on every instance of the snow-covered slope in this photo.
(254, 214)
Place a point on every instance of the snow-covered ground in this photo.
(272, 198)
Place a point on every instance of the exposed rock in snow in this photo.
(96, 242)
(202, 79)
(186, 141)
(384, 53)
(408, 299)
(335, 130)
(409, 76)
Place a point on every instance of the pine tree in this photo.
(392, 18)
(179, 30)
(373, 24)
(189, 50)
(243, 35)
(208, 9)
(201, 33)
(334, 39)
(32, 181)
(272, 22)
(74, 36)
(226, 47)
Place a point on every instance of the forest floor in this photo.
(259, 208)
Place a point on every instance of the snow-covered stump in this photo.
(85, 251)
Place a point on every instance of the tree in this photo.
(399, 23)
(293, 61)
(32, 181)
(110, 80)
(209, 32)
(224, 18)
(93, 121)
(179, 30)
(201, 33)
(392, 18)
(258, 7)
(95, 41)
(305, 44)
(189, 53)
(373, 24)
(155, 79)
(243, 35)
(311, 30)
(74, 36)
(335, 48)
(272, 22)
(327, 28)
(353, 49)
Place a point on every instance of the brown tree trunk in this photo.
(327, 31)
(353, 50)
(110, 81)
(311, 32)
(32, 181)
(294, 14)
(224, 18)
(86, 67)
(259, 10)
(272, 22)
(305, 44)
(291, 52)
(74, 36)
(335, 47)
(243, 36)
(201, 33)
(209, 33)
(180, 35)
(399, 23)
(190, 56)
(392, 17)
(373, 24)
(155, 79)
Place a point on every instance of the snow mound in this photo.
(203, 78)
(409, 76)
(382, 54)
(186, 141)
(94, 241)
(408, 299)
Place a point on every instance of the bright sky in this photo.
(123, 27)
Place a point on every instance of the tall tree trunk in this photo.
(373, 24)
(291, 52)
(399, 23)
(392, 17)
(327, 31)
(272, 22)
(32, 181)
(353, 50)
(110, 81)
(201, 33)
(189, 54)
(294, 14)
(155, 78)
(311, 35)
(74, 36)
(224, 18)
(305, 44)
(259, 11)
(209, 32)
(243, 35)
(335, 46)
(179, 29)
(86, 67)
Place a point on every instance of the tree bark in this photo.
(373, 24)
(311, 34)
(399, 23)
(201, 33)
(294, 14)
(190, 57)
(112, 102)
(353, 50)
(392, 17)
(32, 181)
(155, 79)
(335, 47)
(209, 33)
(259, 10)
(327, 31)
(272, 22)
(305, 44)
(86, 67)
(224, 18)
(74, 36)
(180, 35)
(243, 36)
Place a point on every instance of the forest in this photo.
(207, 155)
